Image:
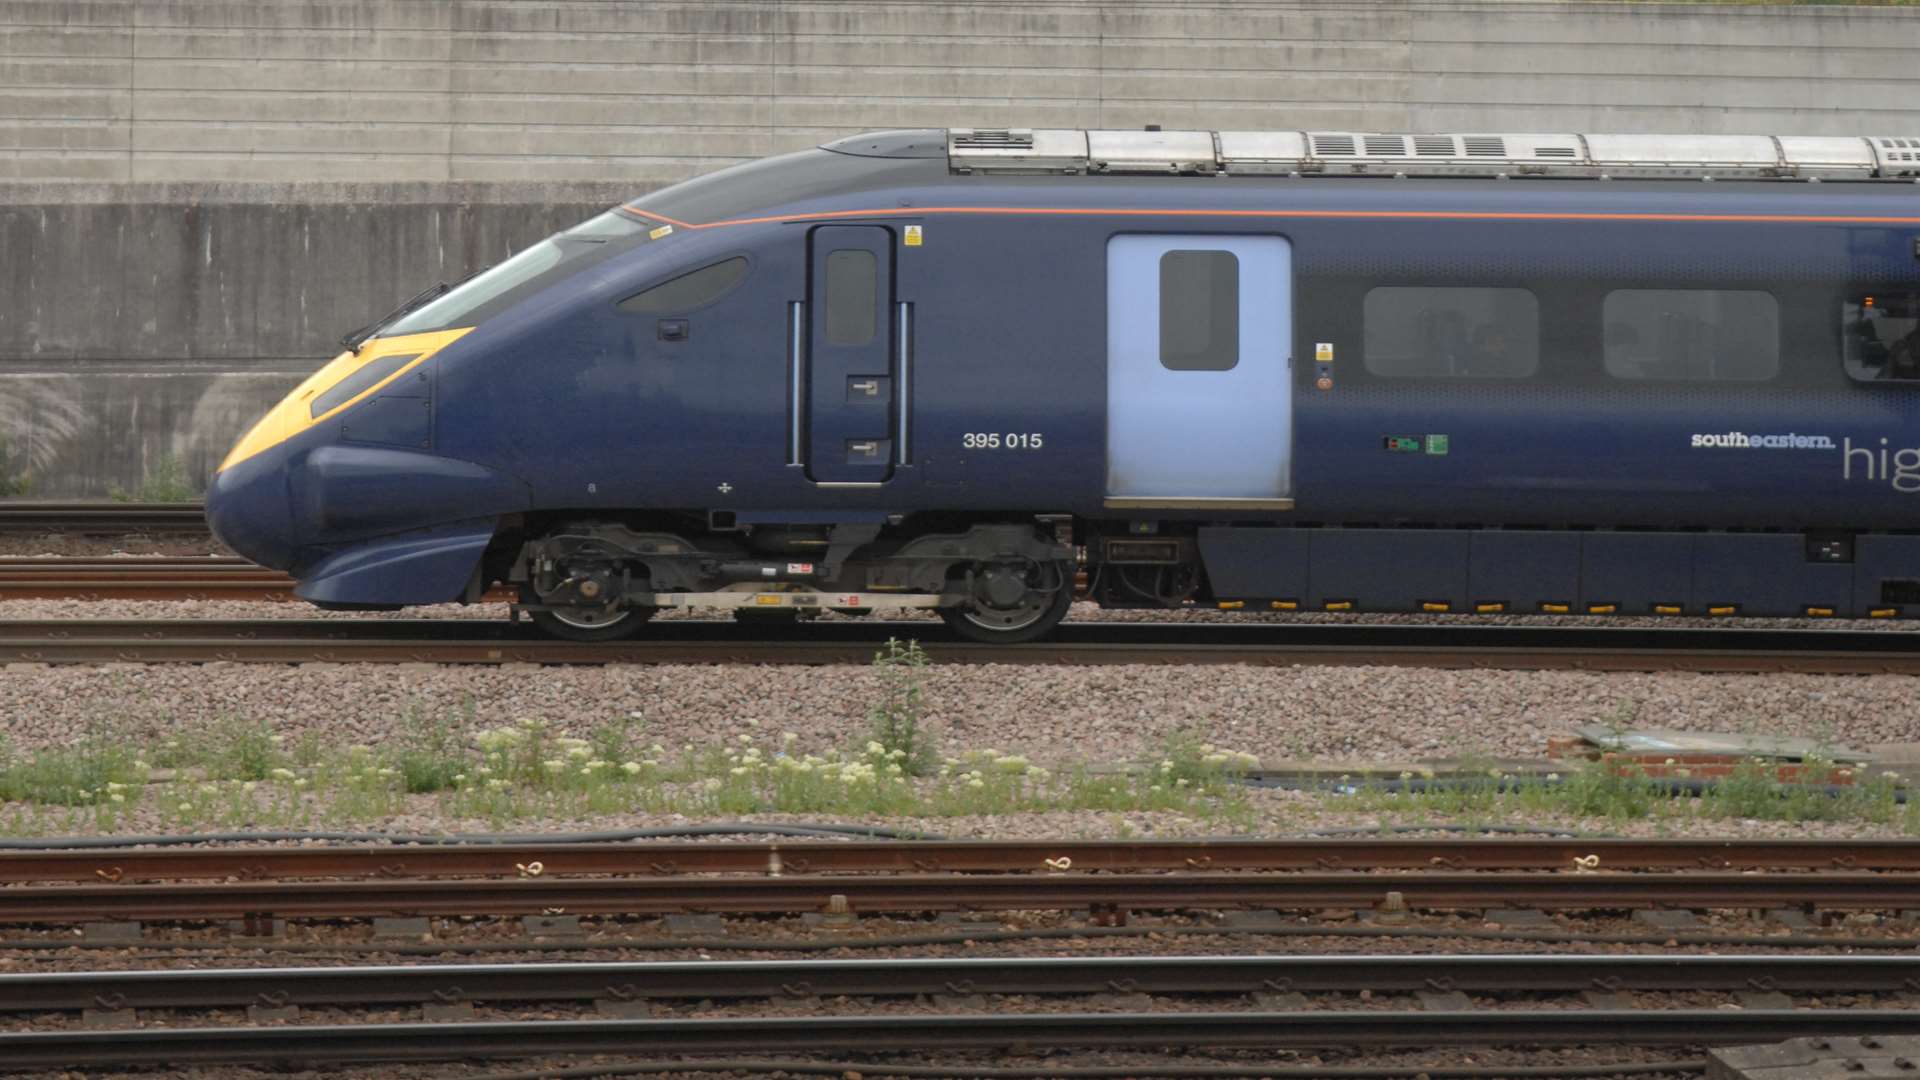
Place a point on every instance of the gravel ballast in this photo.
(1049, 713)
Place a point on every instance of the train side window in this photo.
(1432, 332)
(1881, 336)
(1199, 310)
(696, 288)
(853, 279)
(1710, 334)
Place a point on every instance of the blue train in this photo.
(1274, 370)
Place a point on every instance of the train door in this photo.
(1199, 388)
(850, 364)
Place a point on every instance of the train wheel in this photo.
(589, 624)
(1013, 602)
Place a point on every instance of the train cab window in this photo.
(1708, 334)
(853, 280)
(697, 288)
(1472, 333)
(1881, 332)
(1199, 310)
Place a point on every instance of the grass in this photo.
(1614, 794)
(238, 776)
(165, 482)
(12, 483)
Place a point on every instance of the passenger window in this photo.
(852, 295)
(1430, 332)
(1708, 334)
(690, 290)
(1199, 310)
(1881, 336)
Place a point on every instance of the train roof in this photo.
(890, 171)
(1358, 153)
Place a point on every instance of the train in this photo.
(965, 369)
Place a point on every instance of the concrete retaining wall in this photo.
(197, 197)
(650, 91)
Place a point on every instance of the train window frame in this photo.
(1187, 317)
(1858, 366)
(632, 303)
(1527, 336)
(1616, 367)
(839, 319)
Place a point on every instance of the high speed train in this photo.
(1294, 371)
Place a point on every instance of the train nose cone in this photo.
(248, 509)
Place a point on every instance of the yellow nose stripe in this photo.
(292, 416)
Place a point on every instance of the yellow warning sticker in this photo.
(1323, 352)
(913, 236)
(664, 230)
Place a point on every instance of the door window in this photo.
(851, 296)
(1199, 310)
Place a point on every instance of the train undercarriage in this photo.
(597, 579)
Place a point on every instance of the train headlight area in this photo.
(345, 381)
(1280, 371)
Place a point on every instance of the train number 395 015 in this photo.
(994, 440)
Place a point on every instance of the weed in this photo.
(617, 739)
(430, 755)
(90, 774)
(230, 749)
(12, 483)
(165, 482)
(895, 720)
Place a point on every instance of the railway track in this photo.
(100, 518)
(141, 578)
(1276, 988)
(550, 861)
(919, 1033)
(449, 641)
(719, 980)
(873, 894)
(1201, 1003)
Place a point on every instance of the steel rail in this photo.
(100, 517)
(389, 862)
(1211, 1030)
(394, 984)
(946, 892)
(842, 642)
(56, 563)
